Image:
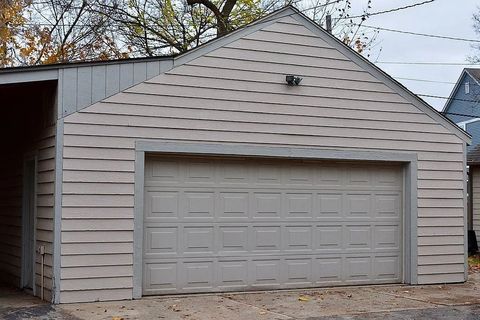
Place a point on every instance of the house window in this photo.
(467, 87)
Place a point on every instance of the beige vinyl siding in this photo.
(476, 200)
(45, 151)
(237, 94)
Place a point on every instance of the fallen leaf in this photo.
(303, 298)
(117, 318)
(174, 308)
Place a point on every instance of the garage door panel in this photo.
(298, 238)
(198, 240)
(358, 177)
(358, 269)
(233, 239)
(161, 240)
(299, 205)
(163, 172)
(266, 238)
(267, 205)
(265, 273)
(329, 237)
(234, 174)
(300, 176)
(330, 176)
(387, 237)
(357, 205)
(386, 177)
(330, 205)
(223, 225)
(387, 205)
(199, 172)
(298, 272)
(197, 275)
(267, 175)
(199, 204)
(357, 237)
(234, 205)
(387, 268)
(232, 274)
(162, 204)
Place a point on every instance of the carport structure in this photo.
(27, 179)
(34, 100)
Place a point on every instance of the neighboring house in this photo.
(463, 108)
(206, 172)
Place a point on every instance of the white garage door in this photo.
(215, 224)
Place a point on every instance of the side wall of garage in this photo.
(237, 94)
(475, 201)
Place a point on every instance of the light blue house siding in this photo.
(465, 105)
(462, 102)
(474, 130)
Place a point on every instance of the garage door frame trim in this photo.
(410, 258)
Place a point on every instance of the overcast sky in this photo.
(441, 17)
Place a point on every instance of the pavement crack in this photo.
(284, 316)
(416, 299)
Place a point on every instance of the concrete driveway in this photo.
(459, 301)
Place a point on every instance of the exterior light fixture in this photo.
(293, 80)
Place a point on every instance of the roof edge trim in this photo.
(32, 76)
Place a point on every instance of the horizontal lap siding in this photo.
(237, 94)
(476, 200)
(10, 219)
(45, 207)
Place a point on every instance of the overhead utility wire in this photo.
(420, 34)
(429, 63)
(446, 98)
(301, 10)
(425, 80)
(460, 114)
(366, 15)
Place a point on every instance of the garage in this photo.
(222, 224)
(211, 171)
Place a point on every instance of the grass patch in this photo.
(474, 263)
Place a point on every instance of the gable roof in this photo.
(473, 157)
(472, 73)
(294, 13)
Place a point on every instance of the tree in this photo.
(153, 27)
(53, 31)
(12, 20)
(344, 26)
(50, 31)
(475, 58)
